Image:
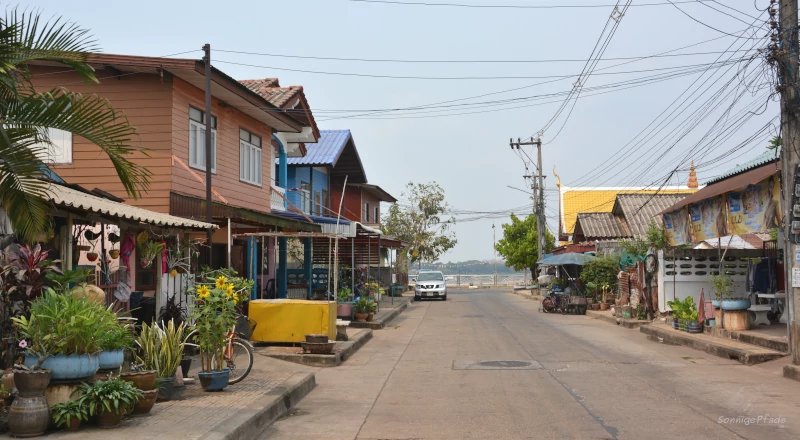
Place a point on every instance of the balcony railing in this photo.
(276, 201)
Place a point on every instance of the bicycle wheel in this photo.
(240, 361)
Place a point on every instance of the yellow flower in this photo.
(229, 290)
(203, 292)
(221, 282)
(142, 237)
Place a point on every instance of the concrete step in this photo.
(751, 337)
(729, 349)
(608, 317)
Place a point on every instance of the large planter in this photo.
(29, 415)
(214, 380)
(90, 291)
(73, 425)
(361, 317)
(111, 360)
(694, 327)
(186, 364)
(344, 310)
(715, 303)
(603, 306)
(370, 316)
(736, 320)
(145, 403)
(72, 367)
(144, 380)
(736, 304)
(166, 389)
(108, 419)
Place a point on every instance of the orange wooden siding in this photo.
(226, 180)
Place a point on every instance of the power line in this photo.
(487, 6)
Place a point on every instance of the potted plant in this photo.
(373, 307)
(29, 414)
(108, 400)
(722, 285)
(146, 403)
(160, 348)
(68, 329)
(116, 338)
(91, 237)
(214, 317)
(148, 251)
(69, 415)
(361, 309)
(344, 298)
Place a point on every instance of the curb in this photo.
(746, 356)
(771, 343)
(627, 323)
(250, 421)
(381, 322)
(602, 316)
(791, 371)
(347, 348)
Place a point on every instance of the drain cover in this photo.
(472, 316)
(497, 365)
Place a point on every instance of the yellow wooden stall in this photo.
(290, 320)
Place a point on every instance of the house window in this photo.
(325, 203)
(249, 157)
(305, 197)
(197, 140)
(60, 149)
(366, 213)
(318, 203)
(375, 216)
(146, 278)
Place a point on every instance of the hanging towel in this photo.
(126, 249)
(163, 257)
(123, 291)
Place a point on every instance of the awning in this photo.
(71, 198)
(564, 259)
(194, 207)
(749, 178)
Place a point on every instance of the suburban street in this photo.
(573, 378)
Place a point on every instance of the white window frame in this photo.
(200, 128)
(59, 151)
(250, 159)
(305, 197)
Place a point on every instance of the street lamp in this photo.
(494, 238)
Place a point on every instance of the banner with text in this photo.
(678, 227)
(755, 208)
(708, 219)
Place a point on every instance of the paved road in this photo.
(577, 378)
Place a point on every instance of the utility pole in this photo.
(537, 186)
(494, 238)
(209, 146)
(784, 54)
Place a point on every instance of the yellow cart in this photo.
(290, 320)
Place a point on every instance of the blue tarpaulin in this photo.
(568, 258)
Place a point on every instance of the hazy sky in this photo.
(465, 148)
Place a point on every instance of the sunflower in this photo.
(221, 281)
(229, 290)
(203, 292)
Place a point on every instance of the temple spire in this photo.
(692, 183)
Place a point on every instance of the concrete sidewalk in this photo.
(389, 309)
(605, 315)
(241, 412)
(341, 351)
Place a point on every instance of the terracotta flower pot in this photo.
(144, 380)
(108, 420)
(370, 316)
(92, 256)
(595, 306)
(113, 253)
(361, 317)
(73, 425)
(603, 306)
(146, 402)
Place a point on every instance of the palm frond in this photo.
(23, 192)
(90, 117)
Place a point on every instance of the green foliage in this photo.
(363, 305)
(114, 396)
(520, 245)
(64, 324)
(655, 238)
(63, 412)
(149, 250)
(214, 315)
(27, 115)
(117, 337)
(775, 143)
(685, 310)
(241, 286)
(722, 285)
(344, 294)
(421, 224)
(61, 281)
(160, 347)
(600, 273)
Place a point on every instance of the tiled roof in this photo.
(602, 225)
(575, 200)
(638, 209)
(763, 158)
(270, 90)
(326, 151)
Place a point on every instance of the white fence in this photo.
(478, 280)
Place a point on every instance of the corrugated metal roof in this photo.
(68, 197)
(763, 158)
(638, 209)
(601, 225)
(326, 151)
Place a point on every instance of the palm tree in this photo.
(26, 116)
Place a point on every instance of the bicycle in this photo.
(237, 347)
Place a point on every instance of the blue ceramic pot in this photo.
(214, 380)
(111, 360)
(63, 367)
(736, 304)
(715, 303)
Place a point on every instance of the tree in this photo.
(421, 224)
(27, 116)
(600, 272)
(520, 243)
